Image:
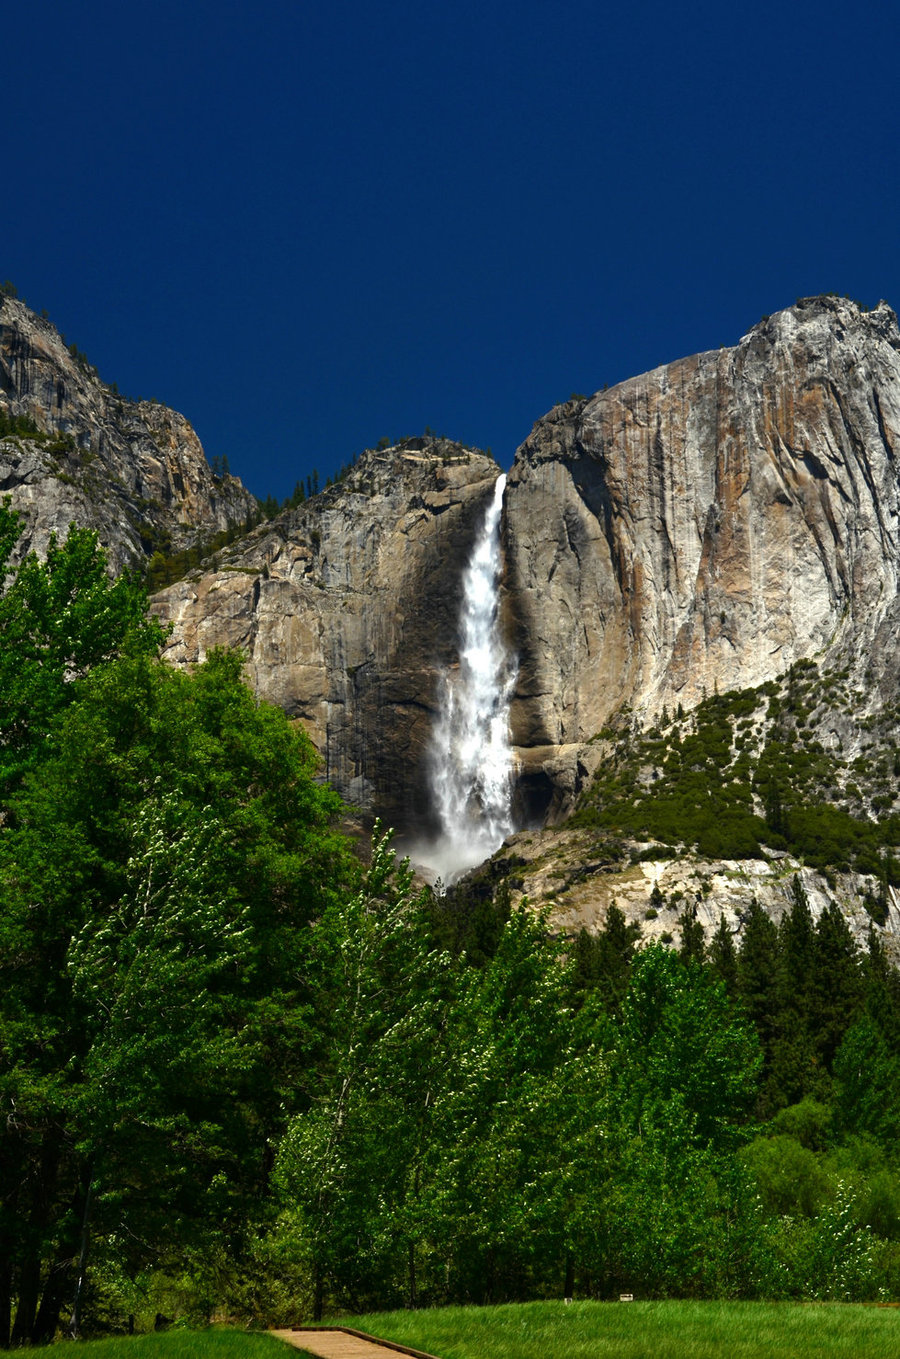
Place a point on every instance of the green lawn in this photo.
(217, 1343)
(645, 1330)
(550, 1330)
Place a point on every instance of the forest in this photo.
(246, 1071)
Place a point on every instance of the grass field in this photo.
(550, 1330)
(217, 1343)
(645, 1330)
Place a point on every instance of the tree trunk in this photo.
(413, 1295)
(59, 1276)
(10, 1216)
(88, 1186)
(5, 1303)
(52, 1298)
(43, 1177)
(27, 1299)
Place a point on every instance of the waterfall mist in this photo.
(470, 760)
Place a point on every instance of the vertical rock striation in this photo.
(347, 608)
(703, 526)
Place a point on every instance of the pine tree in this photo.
(795, 1071)
(723, 956)
(758, 965)
(836, 993)
(693, 943)
(882, 990)
(603, 962)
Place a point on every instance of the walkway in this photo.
(333, 1342)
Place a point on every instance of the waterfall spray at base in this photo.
(471, 757)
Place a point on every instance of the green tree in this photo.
(350, 1168)
(158, 872)
(836, 993)
(794, 1068)
(683, 1079)
(693, 939)
(759, 991)
(682, 1221)
(680, 1035)
(723, 957)
(165, 953)
(604, 960)
(867, 1076)
(58, 619)
(495, 1194)
(789, 1176)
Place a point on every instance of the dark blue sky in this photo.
(309, 226)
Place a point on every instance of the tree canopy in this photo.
(165, 844)
(59, 618)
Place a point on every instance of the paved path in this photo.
(331, 1343)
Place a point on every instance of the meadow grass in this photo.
(214, 1343)
(644, 1330)
(550, 1330)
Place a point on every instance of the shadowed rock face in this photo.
(704, 526)
(132, 470)
(347, 609)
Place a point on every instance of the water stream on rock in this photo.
(471, 760)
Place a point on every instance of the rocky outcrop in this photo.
(704, 526)
(347, 608)
(132, 470)
(566, 872)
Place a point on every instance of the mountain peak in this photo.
(73, 449)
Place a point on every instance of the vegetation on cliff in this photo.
(749, 769)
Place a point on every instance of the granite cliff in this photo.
(697, 529)
(347, 608)
(704, 526)
(72, 449)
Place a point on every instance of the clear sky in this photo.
(308, 226)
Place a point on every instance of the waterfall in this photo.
(470, 762)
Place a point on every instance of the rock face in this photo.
(134, 471)
(347, 608)
(559, 869)
(704, 526)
